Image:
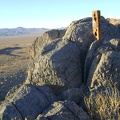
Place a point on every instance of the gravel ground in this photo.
(14, 59)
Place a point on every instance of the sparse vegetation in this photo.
(104, 105)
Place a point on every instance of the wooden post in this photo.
(96, 23)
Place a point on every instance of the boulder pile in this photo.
(64, 63)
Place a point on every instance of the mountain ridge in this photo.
(21, 31)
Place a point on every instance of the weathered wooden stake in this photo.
(96, 23)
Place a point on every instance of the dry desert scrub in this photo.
(104, 105)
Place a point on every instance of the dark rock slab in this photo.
(73, 94)
(65, 110)
(29, 100)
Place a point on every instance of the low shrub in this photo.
(104, 105)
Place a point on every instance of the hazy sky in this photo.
(52, 13)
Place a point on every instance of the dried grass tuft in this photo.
(104, 105)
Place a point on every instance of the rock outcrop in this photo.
(26, 101)
(64, 64)
(65, 110)
(113, 21)
(105, 65)
(89, 58)
(80, 32)
(44, 39)
(59, 63)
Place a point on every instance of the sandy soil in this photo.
(14, 59)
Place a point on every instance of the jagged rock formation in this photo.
(66, 110)
(67, 61)
(26, 101)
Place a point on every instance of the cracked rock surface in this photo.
(65, 110)
(26, 101)
(105, 65)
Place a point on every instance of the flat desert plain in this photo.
(14, 60)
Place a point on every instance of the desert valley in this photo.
(14, 59)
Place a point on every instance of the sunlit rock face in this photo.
(105, 66)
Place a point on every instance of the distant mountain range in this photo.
(21, 31)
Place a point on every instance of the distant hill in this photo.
(21, 31)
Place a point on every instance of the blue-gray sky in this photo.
(52, 13)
